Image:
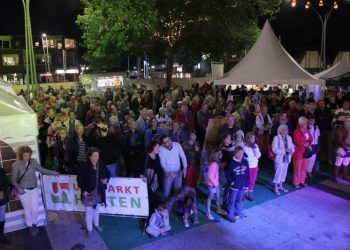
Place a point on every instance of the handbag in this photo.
(307, 153)
(14, 191)
(92, 199)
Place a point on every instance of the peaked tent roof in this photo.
(6, 86)
(340, 69)
(12, 105)
(269, 63)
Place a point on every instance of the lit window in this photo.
(59, 45)
(36, 44)
(10, 60)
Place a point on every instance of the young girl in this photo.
(214, 184)
(237, 176)
(253, 154)
(159, 223)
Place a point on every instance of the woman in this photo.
(92, 179)
(302, 138)
(148, 167)
(315, 131)
(61, 152)
(24, 179)
(283, 148)
(193, 155)
(253, 154)
(154, 132)
(3, 200)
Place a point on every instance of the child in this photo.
(237, 176)
(213, 183)
(253, 154)
(159, 223)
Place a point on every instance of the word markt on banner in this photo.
(124, 196)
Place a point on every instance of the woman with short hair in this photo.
(24, 179)
(92, 179)
(283, 148)
(302, 138)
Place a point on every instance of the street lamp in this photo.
(43, 45)
(324, 21)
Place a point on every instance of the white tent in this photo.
(18, 127)
(340, 69)
(6, 86)
(342, 55)
(311, 60)
(268, 62)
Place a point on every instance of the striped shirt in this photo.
(81, 153)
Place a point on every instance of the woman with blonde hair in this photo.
(24, 179)
(302, 138)
(283, 148)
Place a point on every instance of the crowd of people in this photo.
(159, 136)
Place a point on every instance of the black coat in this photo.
(60, 152)
(87, 179)
(73, 148)
(4, 184)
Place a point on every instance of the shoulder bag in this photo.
(14, 191)
(92, 199)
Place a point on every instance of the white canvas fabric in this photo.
(340, 69)
(268, 62)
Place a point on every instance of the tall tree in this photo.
(113, 28)
(219, 28)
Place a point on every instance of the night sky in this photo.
(299, 28)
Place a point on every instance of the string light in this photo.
(307, 5)
(335, 5)
(294, 3)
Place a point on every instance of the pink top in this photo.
(213, 174)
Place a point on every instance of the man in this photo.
(281, 120)
(170, 155)
(292, 114)
(184, 117)
(90, 114)
(228, 128)
(323, 117)
(133, 146)
(77, 148)
(343, 150)
(109, 149)
(340, 114)
(71, 124)
(142, 123)
(263, 124)
(203, 117)
(82, 108)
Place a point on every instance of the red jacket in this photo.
(299, 140)
(187, 120)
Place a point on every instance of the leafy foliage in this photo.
(160, 28)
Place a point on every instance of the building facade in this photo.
(56, 59)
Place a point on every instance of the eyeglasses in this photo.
(103, 129)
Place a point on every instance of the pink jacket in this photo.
(213, 174)
(299, 140)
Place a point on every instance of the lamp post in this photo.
(324, 21)
(29, 49)
(42, 42)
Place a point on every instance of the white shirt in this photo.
(253, 155)
(170, 158)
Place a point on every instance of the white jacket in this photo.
(253, 155)
(279, 150)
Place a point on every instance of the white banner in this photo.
(124, 196)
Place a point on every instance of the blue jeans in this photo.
(112, 168)
(170, 181)
(2, 212)
(235, 202)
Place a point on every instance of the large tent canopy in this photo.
(340, 69)
(268, 62)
